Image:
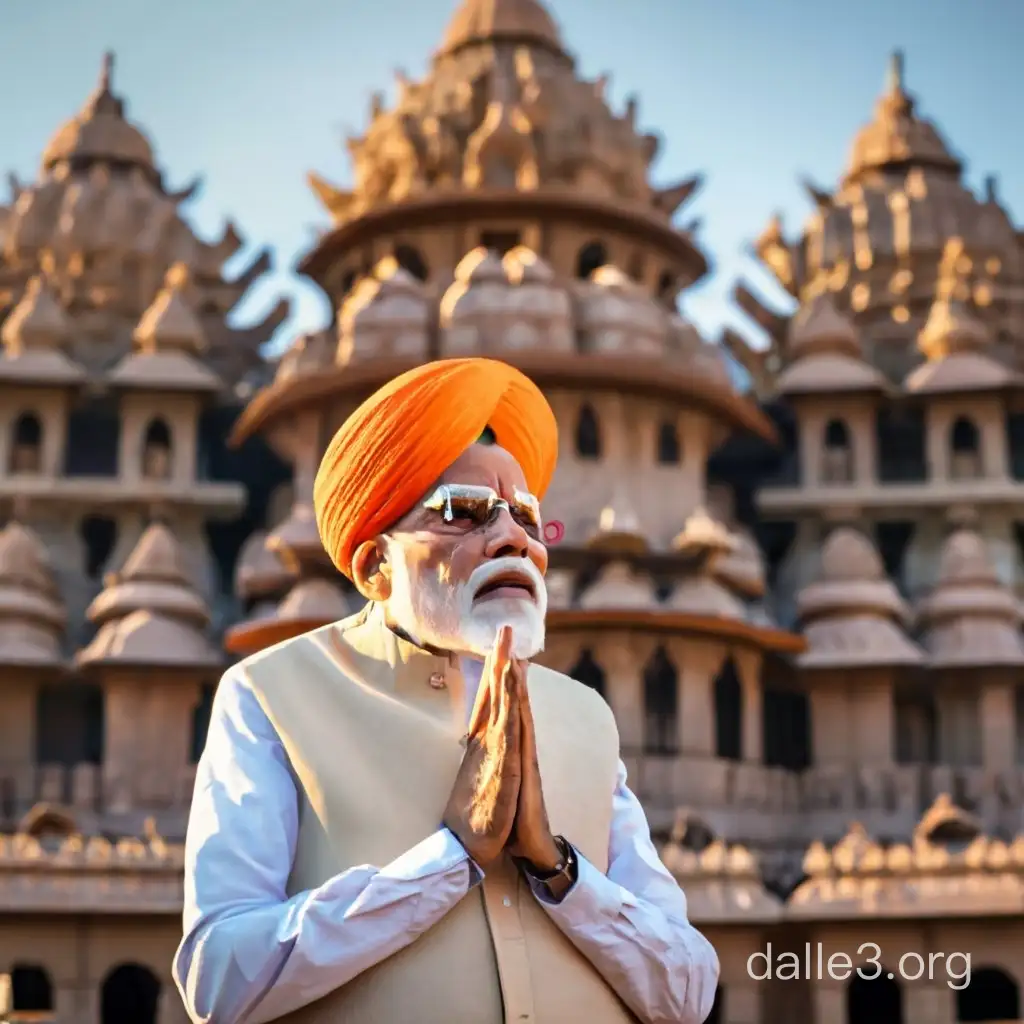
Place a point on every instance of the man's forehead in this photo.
(486, 465)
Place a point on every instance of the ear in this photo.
(371, 571)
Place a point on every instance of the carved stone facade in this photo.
(802, 604)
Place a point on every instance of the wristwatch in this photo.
(558, 882)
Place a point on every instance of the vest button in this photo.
(437, 681)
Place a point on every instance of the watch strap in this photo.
(558, 882)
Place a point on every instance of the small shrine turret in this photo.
(37, 382)
(152, 657)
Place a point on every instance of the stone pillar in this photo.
(749, 670)
(742, 1004)
(829, 1000)
(928, 1003)
(829, 721)
(872, 719)
(75, 1005)
(170, 1009)
(998, 736)
(623, 659)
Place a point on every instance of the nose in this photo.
(506, 538)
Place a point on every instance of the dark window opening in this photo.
(99, 535)
(965, 461)
(130, 995)
(588, 672)
(69, 724)
(500, 242)
(669, 449)
(156, 451)
(728, 713)
(1015, 444)
(873, 997)
(411, 261)
(775, 539)
(837, 466)
(591, 257)
(26, 454)
(900, 446)
(991, 996)
(963, 436)
(787, 470)
(667, 287)
(588, 434)
(893, 541)
(787, 729)
(661, 702)
(31, 989)
(94, 436)
(201, 721)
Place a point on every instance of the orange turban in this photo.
(387, 454)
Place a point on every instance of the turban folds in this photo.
(389, 452)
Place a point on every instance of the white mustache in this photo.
(484, 574)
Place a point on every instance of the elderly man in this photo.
(397, 818)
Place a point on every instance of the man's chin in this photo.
(480, 630)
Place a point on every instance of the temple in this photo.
(802, 601)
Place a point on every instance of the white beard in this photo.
(435, 614)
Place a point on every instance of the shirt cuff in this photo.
(438, 854)
(592, 895)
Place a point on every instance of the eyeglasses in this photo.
(479, 505)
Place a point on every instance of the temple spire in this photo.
(106, 72)
(895, 78)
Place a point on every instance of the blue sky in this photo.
(250, 94)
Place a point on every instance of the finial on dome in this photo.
(106, 71)
(897, 65)
(991, 188)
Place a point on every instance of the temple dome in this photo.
(897, 136)
(100, 133)
(853, 616)
(970, 619)
(509, 21)
(620, 587)
(32, 618)
(150, 614)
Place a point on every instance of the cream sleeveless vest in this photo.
(375, 749)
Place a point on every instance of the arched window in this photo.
(201, 720)
(728, 713)
(31, 989)
(156, 451)
(669, 451)
(588, 434)
(992, 994)
(873, 999)
(26, 454)
(837, 465)
(69, 724)
(588, 672)
(130, 992)
(591, 257)
(661, 702)
(411, 260)
(667, 287)
(964, 450)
